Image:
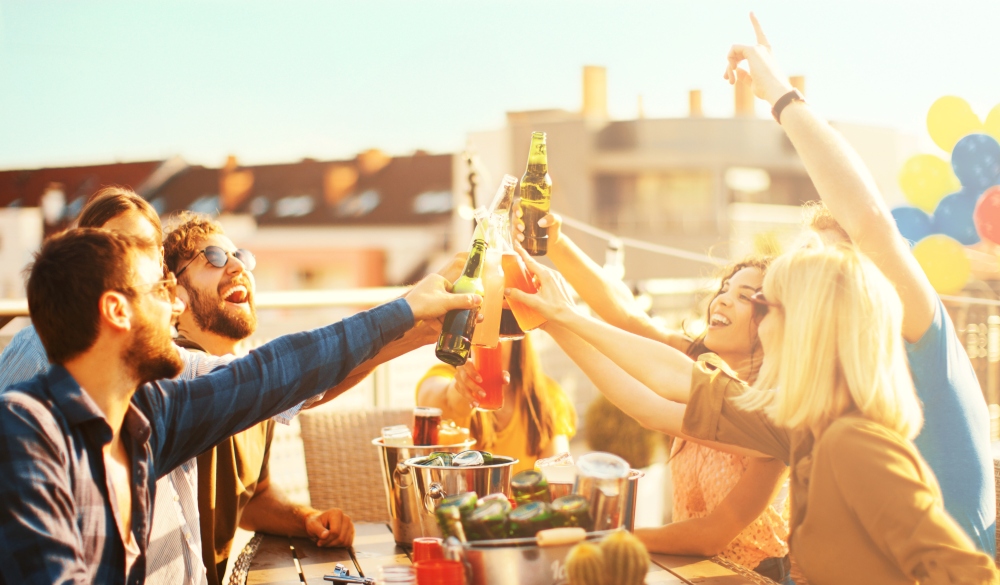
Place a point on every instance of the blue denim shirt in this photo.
(57, 523)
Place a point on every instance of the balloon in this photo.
(925, 179)
(992, 123)
(913, 223)
(987, 215)
(976, 161)
(953, 217)
(944, 262)
(949, 119)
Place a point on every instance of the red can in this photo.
(425, 425)
(440, 572)
(427, 547)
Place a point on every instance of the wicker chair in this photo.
(342, 464)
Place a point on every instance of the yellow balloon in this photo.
(944, 262)
(992, 124)
(949, 119)
(925, 179)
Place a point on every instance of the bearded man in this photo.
(82, 445)
(215, 281)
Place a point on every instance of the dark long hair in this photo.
(533, 398)
(698, 346)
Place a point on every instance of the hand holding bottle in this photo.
(467, 383)
(552, 222)
(553, 299)
(431, 298)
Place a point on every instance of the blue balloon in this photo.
(976, 161)
(913, 223)
(953, 216)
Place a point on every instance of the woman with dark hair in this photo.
(724, 498)
(536, 421)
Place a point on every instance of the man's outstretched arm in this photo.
(843, 182)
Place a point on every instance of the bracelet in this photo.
(792, 96)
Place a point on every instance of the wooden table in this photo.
(281, 560)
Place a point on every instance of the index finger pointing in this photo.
(758, 31)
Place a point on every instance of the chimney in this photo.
(234, 185)
(641, 109)
(372, 161)
(799, 83)
(595, 92)
(694, 103)
(744, 100)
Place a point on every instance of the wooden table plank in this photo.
(318, 561)
(698, 570)
(273, 564)
(374, 547)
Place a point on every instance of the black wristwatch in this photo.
(792, 96)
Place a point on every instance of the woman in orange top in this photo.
(537, 419)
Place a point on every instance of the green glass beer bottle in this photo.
(455, 343)
(528, 519)
(488, 521)
(573, 510)
(530, 486)
(536, 190)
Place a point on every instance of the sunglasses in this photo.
(761, 304)
(166, 288)
(218, 257)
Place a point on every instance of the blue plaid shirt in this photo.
(56, 519)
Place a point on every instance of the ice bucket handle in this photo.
(435, 491)
(401, 475)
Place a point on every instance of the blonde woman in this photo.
(834, 400)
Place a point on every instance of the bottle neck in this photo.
(474, 265)
(538, 159)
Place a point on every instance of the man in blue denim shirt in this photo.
(81, 447)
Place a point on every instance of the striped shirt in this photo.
(56, 518)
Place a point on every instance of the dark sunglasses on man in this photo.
(218, 257)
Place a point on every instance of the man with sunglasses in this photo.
(234, 489)
(82, 446)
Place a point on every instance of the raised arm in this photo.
(189, 416)
(661, 368)
(843, 182)
(636, 400)
(608, 297)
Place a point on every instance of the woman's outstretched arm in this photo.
(636, 400)
(661, 368)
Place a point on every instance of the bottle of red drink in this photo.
(489, 362)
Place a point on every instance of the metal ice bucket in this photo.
(519, 561)
(432, 483)
(627, 497)
(399, 494)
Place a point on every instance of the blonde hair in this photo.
(837, 345)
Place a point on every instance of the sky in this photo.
(89, 82)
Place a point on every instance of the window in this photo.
(294, 206)
(433, 202)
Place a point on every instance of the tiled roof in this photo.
(407, 190)
(24, 188)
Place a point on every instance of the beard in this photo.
(152, 353)
(211, 314)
